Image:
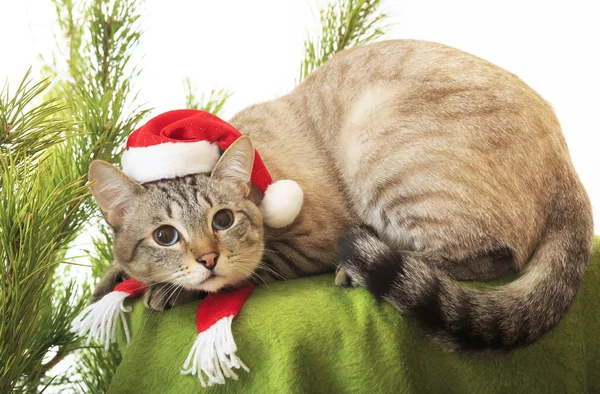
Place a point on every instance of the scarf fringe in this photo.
(99, 320)
(213, 357)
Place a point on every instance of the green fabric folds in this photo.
(308, 336)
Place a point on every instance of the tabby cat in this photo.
(428, 164)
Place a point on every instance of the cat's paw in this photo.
(358, 260)
(367, 261)
(342, 279)
(162, 296)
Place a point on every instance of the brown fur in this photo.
(460, 169)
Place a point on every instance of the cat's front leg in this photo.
(112, 277)
(161, 296)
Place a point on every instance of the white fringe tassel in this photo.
(99, 320)
(213, 355)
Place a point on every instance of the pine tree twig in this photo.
(344, 23)
(105, 43)
(77, 264)
(61, 353)
(43, 165)
(212, 102)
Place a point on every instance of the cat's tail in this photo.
(504, 317)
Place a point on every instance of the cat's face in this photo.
(201, 232)
(181, 228)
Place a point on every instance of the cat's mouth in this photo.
(213, 282)
(198, 277)
(206, 281)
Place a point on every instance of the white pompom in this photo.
(282, 203)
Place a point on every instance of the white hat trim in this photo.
(169, 160)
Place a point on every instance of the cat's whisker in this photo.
(164, 276)
(253, 274)
(164, 295)
(174, 290)
(265, 267)
(151, 285)
(241, 264)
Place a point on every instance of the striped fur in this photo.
(457, 167)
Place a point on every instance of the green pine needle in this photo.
(103, 101)
(35, 196)
(45, 152)
(212, 102)
(344, 23)
(29, 129)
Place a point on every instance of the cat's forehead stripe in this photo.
(202, 198)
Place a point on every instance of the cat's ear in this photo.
(113, 190)
(235, 165)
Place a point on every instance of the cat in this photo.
(428, 164)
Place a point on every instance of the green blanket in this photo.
(308, 336)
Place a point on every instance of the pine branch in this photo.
(344, 23)
(100, 96)
(104, 365)
(104, 103)
(33, 194)
(213, 102)
(45, 151)
(95, 365)
(71, 22)
(26, 129)
(55, 360)
(101, 256)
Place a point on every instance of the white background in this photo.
(254, 48)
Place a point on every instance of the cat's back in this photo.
(426, 84)
(410, 61)
(405, 119)
(418, 90)
(422, 130)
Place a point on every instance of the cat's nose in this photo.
(209, 260)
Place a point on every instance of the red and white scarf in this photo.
(213, 355)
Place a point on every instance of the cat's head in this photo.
(202, 231)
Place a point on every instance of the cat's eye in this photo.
(222, 220)
(166, 235)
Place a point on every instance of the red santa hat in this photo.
(183, 142)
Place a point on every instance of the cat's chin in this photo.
(214, 283)
(211, 284)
